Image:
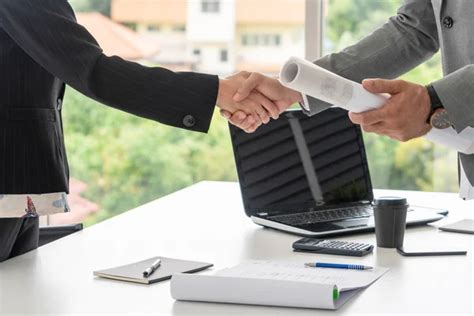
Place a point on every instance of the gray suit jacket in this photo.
(408, 39)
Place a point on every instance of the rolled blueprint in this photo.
(310, 79)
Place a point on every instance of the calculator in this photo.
(332, 247)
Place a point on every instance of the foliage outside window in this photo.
(394, 165)
(127, 161)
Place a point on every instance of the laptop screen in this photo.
(298, 162)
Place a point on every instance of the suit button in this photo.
(448, 22)
(189, 121)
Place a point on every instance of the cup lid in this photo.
(390, 201)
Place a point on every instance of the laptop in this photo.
(309, 176)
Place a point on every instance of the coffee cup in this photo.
(390, 215)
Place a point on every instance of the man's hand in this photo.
(256, 106)
(271, 88)
(403, 117)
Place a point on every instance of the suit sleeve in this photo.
(456, 92)
(405, 41)
(48, 32)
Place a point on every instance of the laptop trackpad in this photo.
(328, 226)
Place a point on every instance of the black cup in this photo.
(390, 220)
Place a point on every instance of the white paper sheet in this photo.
(274, 284)
(309, 79)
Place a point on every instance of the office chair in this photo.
(50, 234)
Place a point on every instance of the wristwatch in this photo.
(438, 117)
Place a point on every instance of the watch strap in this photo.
(435, 102)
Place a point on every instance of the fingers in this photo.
(241, 120)
(383, 86)
(270, 107)
(378, 128)
(226, 114)
(369, 117)
(246, 88)
(262, 114)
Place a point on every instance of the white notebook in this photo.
(275, 284)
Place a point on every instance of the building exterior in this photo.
(219, 36)
(116, 39)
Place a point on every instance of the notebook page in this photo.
(274, 270)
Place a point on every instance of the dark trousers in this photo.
(18, 236)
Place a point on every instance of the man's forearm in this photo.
(405, 41)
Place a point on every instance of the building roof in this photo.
(116, 39)
(175, 11)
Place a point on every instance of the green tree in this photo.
(392, 164)
(102, 6)
(128, 161)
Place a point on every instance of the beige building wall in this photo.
(169, 19)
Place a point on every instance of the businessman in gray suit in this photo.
(419, 30)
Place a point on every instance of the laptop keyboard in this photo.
(297, 219)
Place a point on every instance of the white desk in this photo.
(206, 222)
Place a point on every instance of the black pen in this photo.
(149, 271)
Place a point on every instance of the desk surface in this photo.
(206, 222)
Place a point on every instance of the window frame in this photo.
(314, 22)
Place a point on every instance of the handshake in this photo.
(249, 100)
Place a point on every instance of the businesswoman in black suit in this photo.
(42, 48)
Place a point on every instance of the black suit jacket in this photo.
(41, 48)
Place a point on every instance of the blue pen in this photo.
(337, 266)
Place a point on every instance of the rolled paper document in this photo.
(309, 79)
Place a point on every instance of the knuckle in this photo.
(366, 128)
(403, 137)
(362, 120)
(398, 125)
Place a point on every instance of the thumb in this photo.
(251, 83)
(383, 86)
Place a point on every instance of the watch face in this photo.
(440, 119)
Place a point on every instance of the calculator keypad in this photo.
(332, 247)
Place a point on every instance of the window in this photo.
(245, 40)
(179, 28)
(277, 40)
(210, 6)
(261, 40)
(120, 161)
(224, 55)
(153, 28)
(393, 165)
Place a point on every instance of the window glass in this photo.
(120, 161)
(414, 165)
